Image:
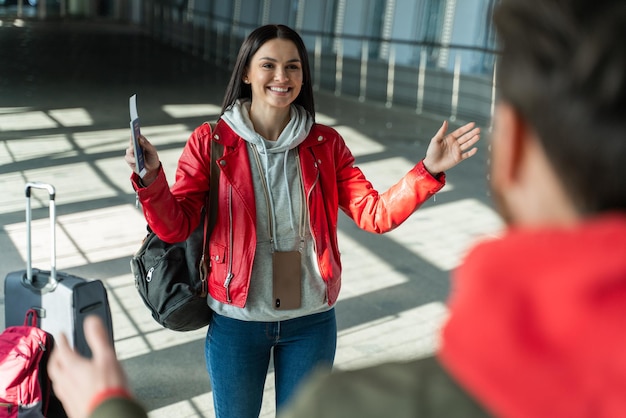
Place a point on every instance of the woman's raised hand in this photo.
(446, 151)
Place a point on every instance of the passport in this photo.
(135, 132)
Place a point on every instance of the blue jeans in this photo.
(238, 355)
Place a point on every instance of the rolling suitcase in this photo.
(62, 301)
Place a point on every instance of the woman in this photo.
(275, 268)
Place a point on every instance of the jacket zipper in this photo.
(229, 276)
(304, 204)
(308, 196)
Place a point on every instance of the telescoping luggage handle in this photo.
(52, 283)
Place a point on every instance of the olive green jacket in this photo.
(119, 407)
(415, 389)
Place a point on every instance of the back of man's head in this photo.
(563, 67)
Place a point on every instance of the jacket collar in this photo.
(317, 135)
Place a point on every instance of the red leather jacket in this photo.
(331, 181)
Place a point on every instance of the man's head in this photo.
(560, 127)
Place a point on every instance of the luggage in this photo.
(25, 388)
(61, 300)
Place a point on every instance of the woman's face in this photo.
(275, 74)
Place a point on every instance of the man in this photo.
(537, 324)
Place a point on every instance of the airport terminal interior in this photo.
(386, 74)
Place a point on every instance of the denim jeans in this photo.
(238, 355)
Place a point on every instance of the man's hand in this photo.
(76, 379)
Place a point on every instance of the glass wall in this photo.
(434, 55)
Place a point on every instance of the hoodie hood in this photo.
(537, 324)
(296, 131)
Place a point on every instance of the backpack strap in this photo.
(217, 150)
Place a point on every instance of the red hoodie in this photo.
(537, 323)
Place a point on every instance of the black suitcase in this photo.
(62, 301)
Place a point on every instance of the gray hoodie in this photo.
(280, 213)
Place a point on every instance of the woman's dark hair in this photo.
(563, 68)
(237, 89)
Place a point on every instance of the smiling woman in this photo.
(275, 268)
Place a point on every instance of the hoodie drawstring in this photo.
(269, 200)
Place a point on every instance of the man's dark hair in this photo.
(563, 67)
(237, 89)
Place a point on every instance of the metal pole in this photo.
(318, 62)
(267, 7)
(234, 29)
(493, 95)
(207, 41)
(195, 44)
(300, 15)
(218, 52)
(41, 9)
(364, 60)
(232, 45)
(421, 78)
(339, 68)
(455, 86)
(391, 73)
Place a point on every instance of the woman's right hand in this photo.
(150, 156)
